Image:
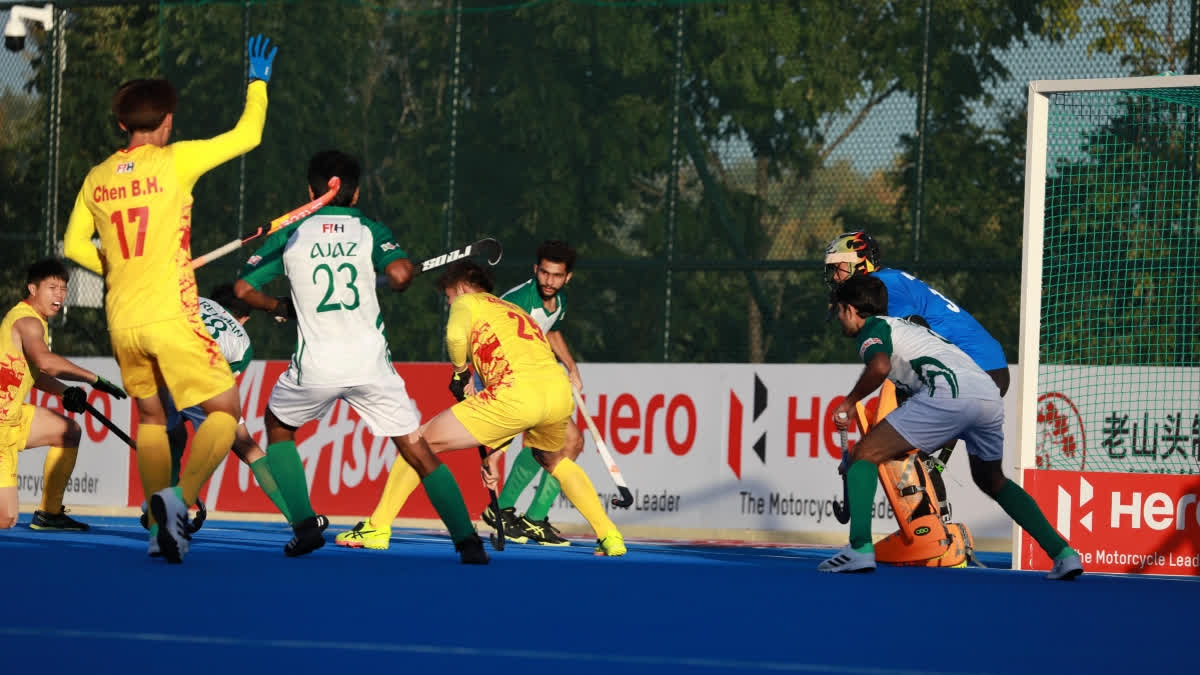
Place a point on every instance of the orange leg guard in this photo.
(922, 539)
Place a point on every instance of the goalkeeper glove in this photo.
(260, 58)
(458, 384)
(108, 388)
(74, 400)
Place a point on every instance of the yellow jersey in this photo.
(502, 341)
(139, 201)
(17, 375)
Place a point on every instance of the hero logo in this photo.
(1064, 508)
(807, 418)
(628, 425)
(736, 415)
(1156, 510)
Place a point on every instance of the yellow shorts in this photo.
(541, 407)
(12, 441)
(177, 353)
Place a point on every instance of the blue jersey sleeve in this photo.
(908, 295)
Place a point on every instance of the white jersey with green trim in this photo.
(529, 298)
(922, 361)
(331, 259)
(231, 337)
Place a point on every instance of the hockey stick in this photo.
(496, 537)
(626, 498)
(841, 510)
(486, 247)
(286, 219)
(108, 423)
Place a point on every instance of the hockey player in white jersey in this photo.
(950, 397)
(332, 260)
(225, 317)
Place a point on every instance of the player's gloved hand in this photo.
(109, 388)
(458, 384)
(489, 477)
(74, 399)
(284, 310)
(260, 58)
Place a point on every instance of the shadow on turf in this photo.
(97, 535)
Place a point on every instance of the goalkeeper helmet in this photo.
(858, 250)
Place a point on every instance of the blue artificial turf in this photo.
(95, 603)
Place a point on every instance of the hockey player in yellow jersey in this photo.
(139, 201)
(26, 362)
(525, 390)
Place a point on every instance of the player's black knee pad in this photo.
(1001, 377)
(988, 476)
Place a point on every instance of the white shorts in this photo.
(929, 423)
(383, 404)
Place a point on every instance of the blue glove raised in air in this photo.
(260, 58)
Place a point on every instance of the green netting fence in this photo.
(698, 154)
(1118, 334)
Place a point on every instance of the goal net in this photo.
(1109, 338)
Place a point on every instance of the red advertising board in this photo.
(1119, 522)
(345, 464)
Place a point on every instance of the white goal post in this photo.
(1042, 167)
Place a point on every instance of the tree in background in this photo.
(794, 80)
(562, 127)
(21, 166)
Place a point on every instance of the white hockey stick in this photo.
(282, 221)
(626, 498)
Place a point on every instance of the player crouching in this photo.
(949, 397)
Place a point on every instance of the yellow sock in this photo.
(401, 482)
(210, 445)
(153, 458)
(579, 489)
(60, 462)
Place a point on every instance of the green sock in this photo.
(862, 478)
(448, 501)
(543, 499)
(262, 473)
(524, 468)
(1019, 506)
(1067, 550)
(288, 471)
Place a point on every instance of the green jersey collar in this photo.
(339, 211)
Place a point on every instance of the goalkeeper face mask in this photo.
(850, 254)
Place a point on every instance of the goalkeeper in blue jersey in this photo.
(855, 253)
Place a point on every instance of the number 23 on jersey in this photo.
(526, 328)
